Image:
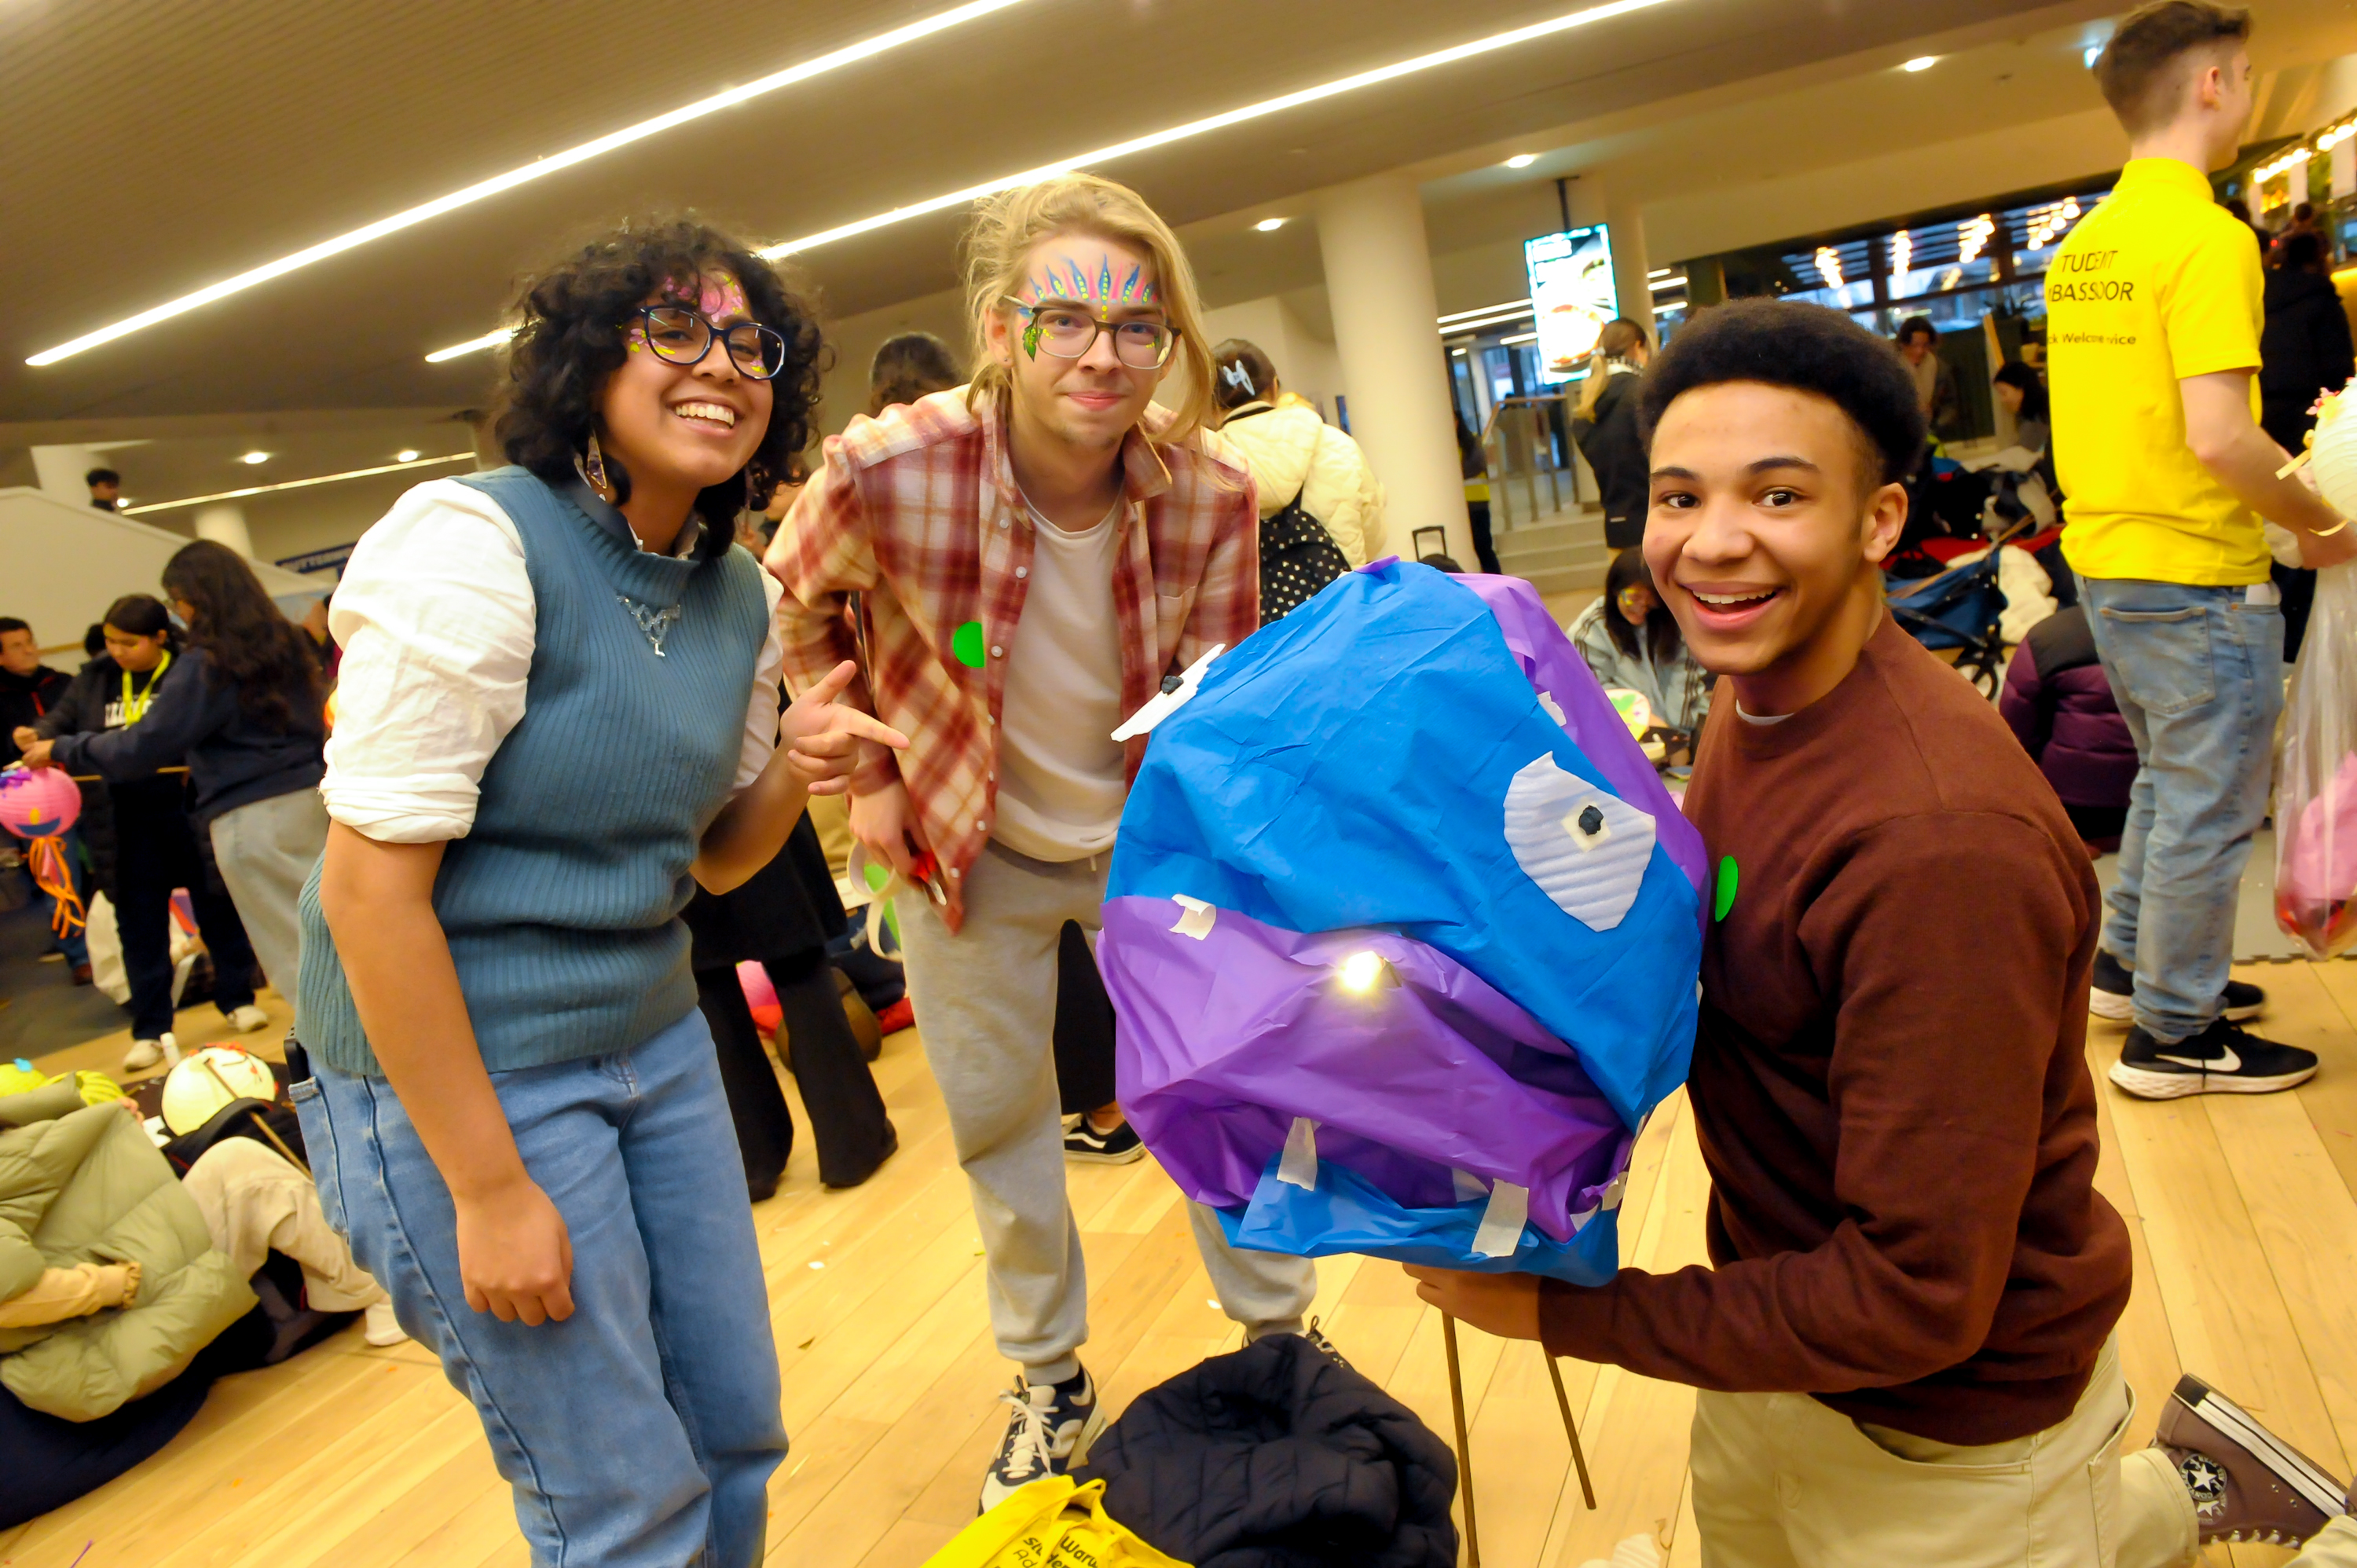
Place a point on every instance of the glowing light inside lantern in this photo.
(1361, 971)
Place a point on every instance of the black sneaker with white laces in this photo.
(2223, 1058)
(1083, 1144)
(1048, 1432)
(2111, 993)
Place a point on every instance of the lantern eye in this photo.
(1587, 848)
(1361, 971)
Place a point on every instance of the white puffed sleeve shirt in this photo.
(436, 618)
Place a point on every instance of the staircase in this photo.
(1559, 553)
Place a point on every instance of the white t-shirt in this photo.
(436, 617)
(1061, 778)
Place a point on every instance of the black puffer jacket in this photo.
(1277, 1456)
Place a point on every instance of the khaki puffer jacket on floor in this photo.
(83, 1184)
(1290, 450)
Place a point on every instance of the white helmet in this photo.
(208, 1080)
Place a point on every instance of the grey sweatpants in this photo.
(265, 849)
(985, 1003)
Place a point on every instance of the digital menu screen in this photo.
(1572, 294)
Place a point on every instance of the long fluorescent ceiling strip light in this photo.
(539, 168)
(1176, 133)
(301, 484)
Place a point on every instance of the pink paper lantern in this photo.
(760, 997)
(37, 802)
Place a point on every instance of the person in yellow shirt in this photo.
(2153, 317)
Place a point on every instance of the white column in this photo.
(1395, 372)
(1631, 262)
(59, 471)
(225, 523)
(1596, 200)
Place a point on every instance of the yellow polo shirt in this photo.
(2157, 284)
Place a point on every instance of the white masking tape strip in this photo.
(1299, 1165)
(1503, 1221)
(1196, 918)
(1579, 1220)
(1469, 1186)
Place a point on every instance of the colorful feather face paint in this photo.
(1062, 276)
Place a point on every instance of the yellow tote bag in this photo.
(1036, 1528)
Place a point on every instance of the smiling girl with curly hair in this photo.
(558, 713)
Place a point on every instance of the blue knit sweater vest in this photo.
(562, 904)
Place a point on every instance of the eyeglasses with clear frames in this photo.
(678, 335)
(1067, 331)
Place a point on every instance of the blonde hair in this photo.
(1008, 226)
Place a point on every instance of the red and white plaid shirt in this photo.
(918, 513)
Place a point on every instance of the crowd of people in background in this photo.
(570, 795)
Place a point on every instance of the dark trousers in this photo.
(1477, 518)
(1084, 1027)
(838, 1091)
(155, 855)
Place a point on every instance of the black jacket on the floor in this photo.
(1277, 1456)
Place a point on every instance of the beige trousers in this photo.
(1781, 1481)
(253, 1201)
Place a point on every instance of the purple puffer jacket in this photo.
(2059, 701)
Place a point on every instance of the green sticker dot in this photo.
(967, 644)
(1726, 899)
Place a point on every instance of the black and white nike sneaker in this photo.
(2111, 993)
(2111, 989)
(1048, 1432)
(2221, 1059)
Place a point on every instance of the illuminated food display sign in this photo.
(1572, 294)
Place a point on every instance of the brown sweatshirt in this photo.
(1889, 1080)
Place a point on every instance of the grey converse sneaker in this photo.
(1048, 1431)
(2247, 1484)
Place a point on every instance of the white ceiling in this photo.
(151, 146)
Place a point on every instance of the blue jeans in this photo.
(641, 1432)
(2198, 674)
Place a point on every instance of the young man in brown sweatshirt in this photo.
(1904, 1348)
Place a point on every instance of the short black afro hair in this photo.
(1807, 348)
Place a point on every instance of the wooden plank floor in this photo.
(2244, 1213)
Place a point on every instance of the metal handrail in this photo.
(1501, 473)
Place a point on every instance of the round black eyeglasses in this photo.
(679, 336)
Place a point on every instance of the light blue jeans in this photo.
(641, 1432)
(2198, 674)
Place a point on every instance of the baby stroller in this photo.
(1962, 608)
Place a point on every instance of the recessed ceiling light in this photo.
(865, 50)
(406, 455)
(1267, 106)
(1922, 63)
(1522, 160)
(255, 457)
(1269, 225)
(2090, 55)
(297, 484)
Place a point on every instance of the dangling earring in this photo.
(591, 467)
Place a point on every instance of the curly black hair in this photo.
(573, 318)
(1809, 349)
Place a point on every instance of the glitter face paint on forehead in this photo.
(718, 300)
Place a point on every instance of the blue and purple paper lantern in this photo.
(1403, 931)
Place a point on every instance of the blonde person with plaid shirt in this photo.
(1018, 564)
